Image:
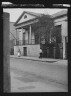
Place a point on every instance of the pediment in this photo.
(25, 17)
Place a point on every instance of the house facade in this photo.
(25, 33)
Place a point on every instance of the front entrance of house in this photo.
(24, 51)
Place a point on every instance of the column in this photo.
(30, 34)
(16, 38)
(22, 36)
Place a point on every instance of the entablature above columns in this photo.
(23, 25)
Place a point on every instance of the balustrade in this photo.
(26, 42)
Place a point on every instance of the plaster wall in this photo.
(32, 50)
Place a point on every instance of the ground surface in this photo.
(35, 76)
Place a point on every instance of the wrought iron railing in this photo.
(26, 42)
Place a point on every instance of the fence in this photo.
(55, 52)
(52, 51)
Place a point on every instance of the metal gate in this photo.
(51, 51)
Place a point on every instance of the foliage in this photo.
(45, 29)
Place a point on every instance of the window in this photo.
(25, 16)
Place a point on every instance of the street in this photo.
(36, 76)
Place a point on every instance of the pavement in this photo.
(25, 78)
(28, 85)
(49, 60)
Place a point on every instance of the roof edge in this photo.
(31, 13)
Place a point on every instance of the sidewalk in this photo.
(49, 60)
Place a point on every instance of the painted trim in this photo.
(23, 25)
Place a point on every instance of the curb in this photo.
(34, 59)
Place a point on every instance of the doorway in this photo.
(25, 51)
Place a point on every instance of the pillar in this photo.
(63, 47)
(30, 34)
(16, 38)
(6, 53)
(22, 36)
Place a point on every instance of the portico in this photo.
(26, 39)
(25, 35)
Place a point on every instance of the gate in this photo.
(52, 51)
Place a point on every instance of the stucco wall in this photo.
(32, 50)
(64, 25)
(64, 30)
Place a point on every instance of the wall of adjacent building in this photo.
(12, 30)
(62, 21)
(12, 35)
(64, 30)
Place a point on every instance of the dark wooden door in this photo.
(25, 51)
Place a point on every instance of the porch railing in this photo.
(26, 42)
